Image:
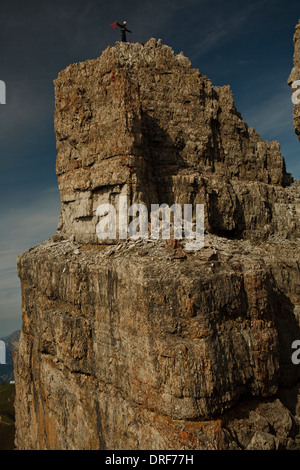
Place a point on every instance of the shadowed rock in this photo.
(142, 344)
(294, 80)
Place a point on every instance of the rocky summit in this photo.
(141, 343)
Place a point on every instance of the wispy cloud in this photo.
(21, 228)
(25, 106)
(273, 116)
(223, 25)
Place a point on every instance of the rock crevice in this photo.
(294, 80)
(142, 344)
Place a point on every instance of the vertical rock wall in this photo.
(294, 80)
(141, 344)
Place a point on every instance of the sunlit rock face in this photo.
(143, 344)
(294, 80)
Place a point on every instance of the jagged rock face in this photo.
(140, 122)
(294, 80)
(144, 345)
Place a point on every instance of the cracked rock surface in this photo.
(143, 344)
(294, 79)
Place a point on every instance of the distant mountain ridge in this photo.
(7, 370)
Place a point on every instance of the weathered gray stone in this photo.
(144, 344)
(294, 79)
(141, 123)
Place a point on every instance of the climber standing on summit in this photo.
(123, 30)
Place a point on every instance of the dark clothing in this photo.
(123, 31)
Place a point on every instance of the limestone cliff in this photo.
(142, 344)
(294, 80)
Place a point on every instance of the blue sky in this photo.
(248, 45)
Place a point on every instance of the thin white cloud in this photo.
(25, 107)
(272, 116)
(22, 228)
(222, 27)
